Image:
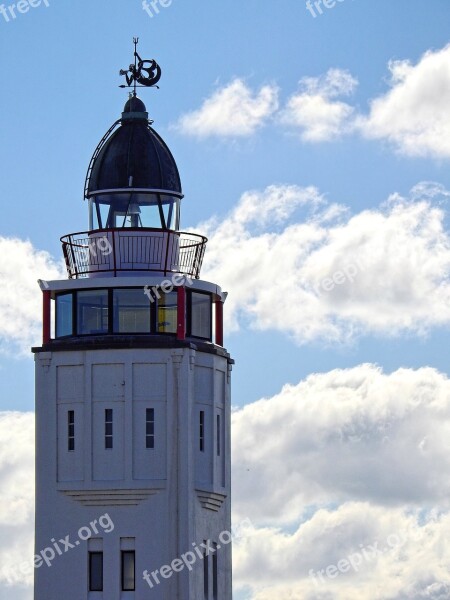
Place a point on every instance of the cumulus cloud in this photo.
(17, 506)
(231, 111)
(315, 110)
(354, 551)
(350, 463)
(352, 467)
(355, 434)
(297, 264)
(21, 300)
(415, 113)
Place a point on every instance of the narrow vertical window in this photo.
(128, 571)
(64, 315)
(71, 430)
(150, 428)
(108, 428)
(205, 573)
(202, 431)
(96, 571)
(219, 441)
(215, 573)
(200, 315)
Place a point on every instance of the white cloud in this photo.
(354, 434)
(21, 299)
(328, 274)
(383, 554)
(415, 113)
(17, 506)
(232, 111)
(346, 461)
(315, 110)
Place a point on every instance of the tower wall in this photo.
(162, 501)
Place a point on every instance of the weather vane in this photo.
(147, 73)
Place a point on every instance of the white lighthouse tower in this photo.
(133, 392)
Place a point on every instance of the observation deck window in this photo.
(200, 311)
(92, 312)
(64, 315)
(167, 313)
(131, 311)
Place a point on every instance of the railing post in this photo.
(219, 322)
(46, 311)
(74, 260)
(181, 313)
(113, 234)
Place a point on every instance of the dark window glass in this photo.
(108, 428)
(150, 428)
(205, 573)
(219, 441)
(64, 315)
(131, 311)
(71, 430)
(202, 431)
(96, 571)
(92, 312)
(128, 571)
(215, 573)
(167, 312)
(201, 315)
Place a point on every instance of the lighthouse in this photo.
(133, 389)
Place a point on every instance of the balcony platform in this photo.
(133, 251)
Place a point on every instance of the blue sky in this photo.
(343, 120)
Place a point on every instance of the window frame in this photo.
(215, 572)
(93, 554)
(108, 306)
(160, 294)
(189, 315)
(113, 312)
(71, 431)
(218, 435)
(109, 437)
(202, 430)
(122, 567)
(153, 312)
(205, 571)
(149, 420)
(57, 308)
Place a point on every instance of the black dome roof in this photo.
(134, 104)
(133, 156)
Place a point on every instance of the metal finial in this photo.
(139, 73)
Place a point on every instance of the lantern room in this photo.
(133, 180)
(133, 190)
